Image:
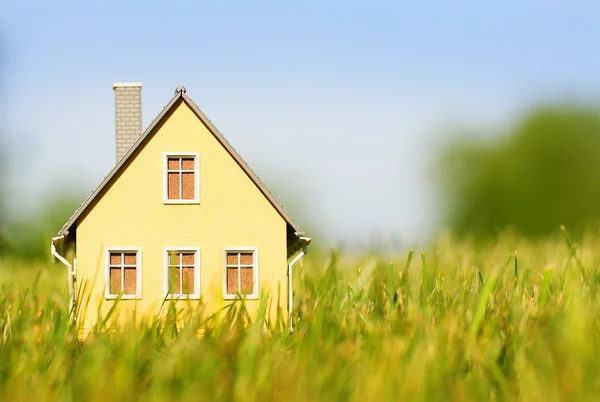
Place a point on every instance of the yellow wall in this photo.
(131, 213)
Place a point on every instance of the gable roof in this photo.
(180, 94)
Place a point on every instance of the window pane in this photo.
(188, 259)
(247, 281)
(173, 185)
(232, 258)
(246, 259)
(174, 287)
(187, 164)
(188, 281)
(115, 281)
(232, 279)
(130, 281)
(173, 164)
(130, 258)
(115, 258)
(173, 258)
(188, 186)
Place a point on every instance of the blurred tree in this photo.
(544, 173)
(30, 235)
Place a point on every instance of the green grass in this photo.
(461, 323)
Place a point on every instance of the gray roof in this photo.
(181, 95)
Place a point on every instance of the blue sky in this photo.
(339, 106)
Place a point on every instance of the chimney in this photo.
(128, 115)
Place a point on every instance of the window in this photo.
(241, 273)
(182, 273)
(181, 178)
(123, 273)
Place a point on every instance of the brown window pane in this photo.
(232, 258)
(130, 281)
(115, 258)
(246, 259)
(187, 187)
(173, 186)
(115, 281)
(247, 281)
(130, 258)
(188, 281)
(187, 164)
(173, 164)
(187, 259)
(232, 279)
(174, 281)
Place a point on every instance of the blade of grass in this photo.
(424, 286)
(483, 300)
(516, 269)
(573, 250)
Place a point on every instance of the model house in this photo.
(180, 216)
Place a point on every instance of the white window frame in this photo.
(138, 272)
(166, 156)
(196, 294)
(254, 251)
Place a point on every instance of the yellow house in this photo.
(180, 216)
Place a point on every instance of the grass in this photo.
(461, 323)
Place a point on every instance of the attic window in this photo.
(181, 178)
(182, 273)
(241, 273)
(123, 273)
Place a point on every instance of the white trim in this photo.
(138, 272)
(298, 257)
(196, 156)
(126, 84)
(254, 251)
(70, 272)
(196, 294)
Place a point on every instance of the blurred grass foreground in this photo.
(457, 322)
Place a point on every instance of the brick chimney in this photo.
(128, 115)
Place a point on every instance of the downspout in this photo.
(291, 283)
(70, 272)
